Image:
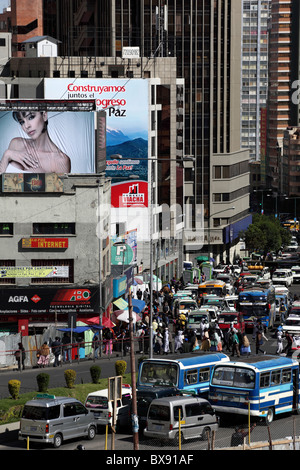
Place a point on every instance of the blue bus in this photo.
(258, 302)
(264, 387)
(191, 374)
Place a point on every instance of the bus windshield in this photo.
(216, 290)
(256, 310)
(238, 377)
(159, 373)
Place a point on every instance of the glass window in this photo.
(176, 413)
(6, 229)
(191, 377)
(41, 413)
(275, 377)
(94, 401)
(159, 374)
(194, 409)
(286, 376)
(264, 380)
(159, 412)
(204, 374)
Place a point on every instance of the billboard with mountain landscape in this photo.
(126, 103)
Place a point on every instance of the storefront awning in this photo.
(121, 304)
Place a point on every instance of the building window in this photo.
(53, 229)
(6, 229)
(7, 263)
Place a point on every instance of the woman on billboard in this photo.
(37, 153)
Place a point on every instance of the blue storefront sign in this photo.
(232, 231)
(119, 286)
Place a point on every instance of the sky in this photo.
(4, 4)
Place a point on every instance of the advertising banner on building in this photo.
(46, 142)
(47, 300)
(33, 271)
(126, 103)
(45, 243)
(32, 183)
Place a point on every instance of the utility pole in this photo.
(134, 416)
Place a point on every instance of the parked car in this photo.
(97, 402)
(52, 420)
(197, 417)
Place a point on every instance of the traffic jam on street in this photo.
(223, 347)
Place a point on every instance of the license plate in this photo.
(158, 427)
(33, 428)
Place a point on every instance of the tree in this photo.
(266, 234)
(255, 238)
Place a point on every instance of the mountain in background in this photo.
(136, 148)
(115, 137)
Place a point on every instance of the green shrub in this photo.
(70, 376)
(43, 382)
(14, 388)
(120, 367)
(95, 374)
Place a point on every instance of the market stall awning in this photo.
(77, 329)
(120, 303)
(137, 305)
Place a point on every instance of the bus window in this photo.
(286, 376)
(275, 377)
(204, 374)
(234, 377)
(265, 380)
(159, 373)
(191, 377)
(244, 378)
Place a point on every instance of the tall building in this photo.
(205, 37)
(281, 51)
(256, 16)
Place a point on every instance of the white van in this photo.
(102, 409)
(282, 277)
(197, 417)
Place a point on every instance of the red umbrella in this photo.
(106, 322)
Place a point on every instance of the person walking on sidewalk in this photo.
(20, 356)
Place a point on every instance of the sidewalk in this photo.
(6, 431)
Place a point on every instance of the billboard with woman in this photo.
(37, 141)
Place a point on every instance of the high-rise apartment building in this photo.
(256, 16)
(281, 50)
